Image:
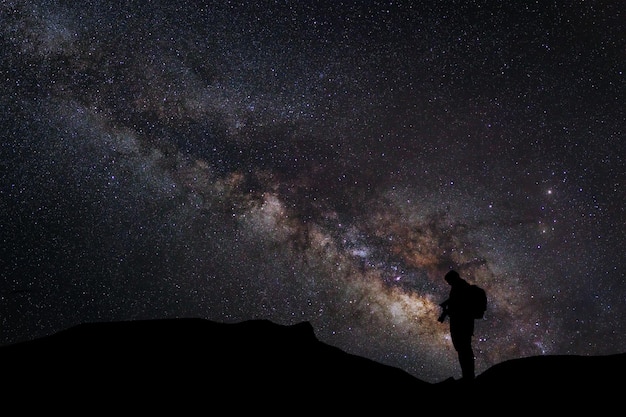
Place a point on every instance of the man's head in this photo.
(452, 277)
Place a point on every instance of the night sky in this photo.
(318, 161)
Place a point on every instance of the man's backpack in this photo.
(478, 298)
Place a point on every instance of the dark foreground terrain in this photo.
(184, 366)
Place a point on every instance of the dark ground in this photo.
(195, 365)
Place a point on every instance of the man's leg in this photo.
(466, 359)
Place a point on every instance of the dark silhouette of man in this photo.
(458, 308)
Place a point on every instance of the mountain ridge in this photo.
(169, 362)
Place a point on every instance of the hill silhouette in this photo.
(183, 364)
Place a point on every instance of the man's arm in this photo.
(444, 313)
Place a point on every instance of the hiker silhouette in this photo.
(458, 307)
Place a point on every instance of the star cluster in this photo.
(318, 161)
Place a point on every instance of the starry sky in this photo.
(321, 161)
